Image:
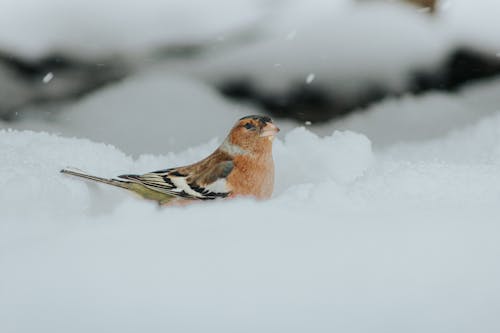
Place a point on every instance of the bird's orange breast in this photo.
(252, 177)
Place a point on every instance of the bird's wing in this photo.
(208, 183)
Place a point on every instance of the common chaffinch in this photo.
(241, 166)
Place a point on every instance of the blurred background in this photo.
(160, 76)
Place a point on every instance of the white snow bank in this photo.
(472, 23)
(341, 157)
(351, 241)
(416, 118)
(86, 28)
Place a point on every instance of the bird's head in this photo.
(253, 133)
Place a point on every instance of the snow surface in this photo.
(402, 239)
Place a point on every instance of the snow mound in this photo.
(86, 28)
(342, 157)
(420, 118)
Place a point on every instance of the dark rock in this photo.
(467, 65)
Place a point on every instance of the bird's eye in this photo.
(249, 126)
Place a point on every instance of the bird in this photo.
(242, 166)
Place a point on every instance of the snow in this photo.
(93, 29)
(383, 221)
(165, 111)
(461, 19)
(353, 240)
(412, 118)
(352, 45)
(48, 77)
(151, 112)
(310, 78)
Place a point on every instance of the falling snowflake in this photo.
(310, 78)
(48, 77)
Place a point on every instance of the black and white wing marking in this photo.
(210, 184)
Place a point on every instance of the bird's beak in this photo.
(269, 130)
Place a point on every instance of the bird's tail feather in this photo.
(141, 190)
(113, 182)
